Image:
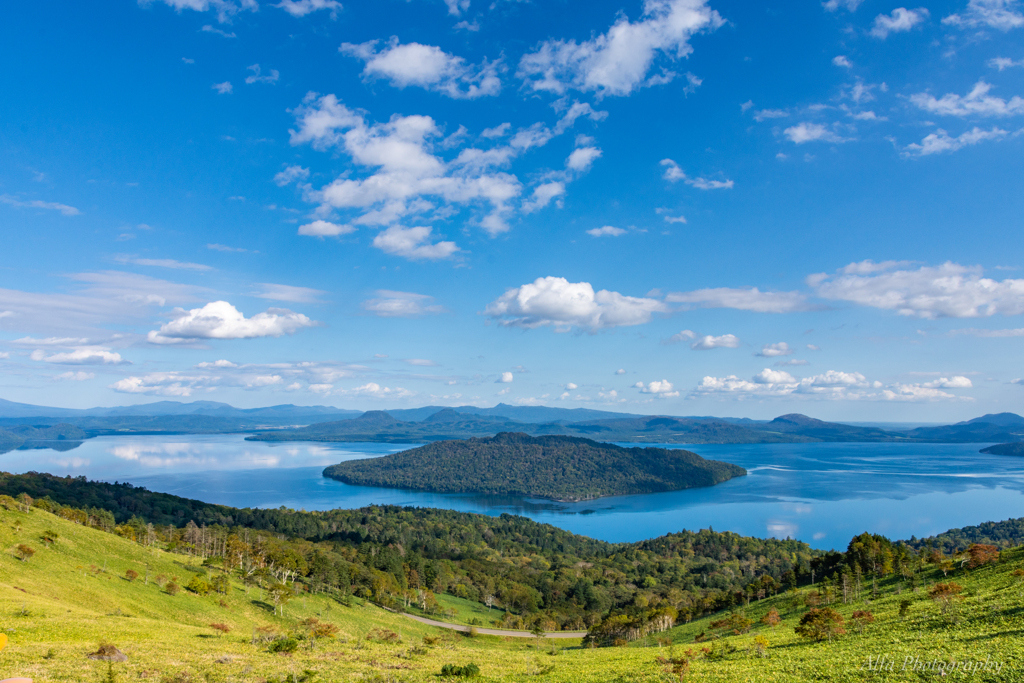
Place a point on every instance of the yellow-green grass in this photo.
(56, 608)
(456, 610)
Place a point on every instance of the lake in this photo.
(819, 493)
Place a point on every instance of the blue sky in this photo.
(671, 206)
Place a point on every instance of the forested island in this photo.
(562, 468)
(1015, 448)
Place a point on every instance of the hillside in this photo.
(557, 467)
(76, 592)
(1015, 448)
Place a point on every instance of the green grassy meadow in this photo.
(72, 594)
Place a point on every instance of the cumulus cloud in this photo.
(374, 390)
(64, 209)
(225, 9)
(620, 371)
(606, 231)
(768, 376)
(848, 5)
(257, 75)
(505, 378)
(565, 305)
(812, 132)
(321, 228)
(899, 21)
(582, 158)
(684, 335)
(673, 174)
(406, 174)
(940, 142)
(1001, 63)
(391, 304)
(1002, 15)
(221, 320)
(289, 293)
(165, 384)
(946, 291)
(300, 8)
(290, 175)
(843, 61)
(543, 194)
(413, 244)
(224, 88)
(427, 66)
(976, 103)
(832, 385)
(741, 299)
(773, 350)
(660, 389)
(82, 355)
(708, 342)
(618, 62)
(79, 376)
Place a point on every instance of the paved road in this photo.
(496, 631)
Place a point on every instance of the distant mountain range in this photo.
(436, 423)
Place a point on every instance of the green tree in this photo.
(821, 624)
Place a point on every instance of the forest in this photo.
(557, 467)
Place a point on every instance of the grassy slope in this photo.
(72, 607)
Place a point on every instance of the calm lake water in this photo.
(820, 493)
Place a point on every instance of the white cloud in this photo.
(899, 21)
(556, 301)
(813, 347)
(322, 389)
(506, 377)
(225, 9)
(320, 228)
(742, 299)
(374, 390)
(708, 342)
(225, 248)
(946, 291)
(543, 194)
(290, 175)
(83, 355)
(793, 362)
(940, 141)
(496, 132)
(581, 159)
(160, 263)
(1004, 63)
(217, 364)
(849, 5)
(662, 389)
(427, 66)
(52, 341)
(684, 335)
(257, 75)
(221, 320)
(64, 209)
(219, 32)
(75, 376)
(224, 88)
(812, 132)
(843, 61)
(620, 371)
(766, 114)
(289, 293)
(413, 244)
(392, 304)
(768, 376)
(773, 350)
(571, 387)
(673, 173)
(618, 62)
(955, 382)
(164, 384)
(406, 171)
(300, 8)
(976, 103)
(1002, 15)
(607, 230)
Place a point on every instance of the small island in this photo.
(562, 468)
(1015, 448)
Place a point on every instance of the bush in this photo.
(131, 574)
(772, 618)
(172, 588)
(198, 586)
(821, 624)
(862, 618)
(24, 552)
(284, 644)
(469, 671)
(223, 628)
(905, 607)
(383, 635)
